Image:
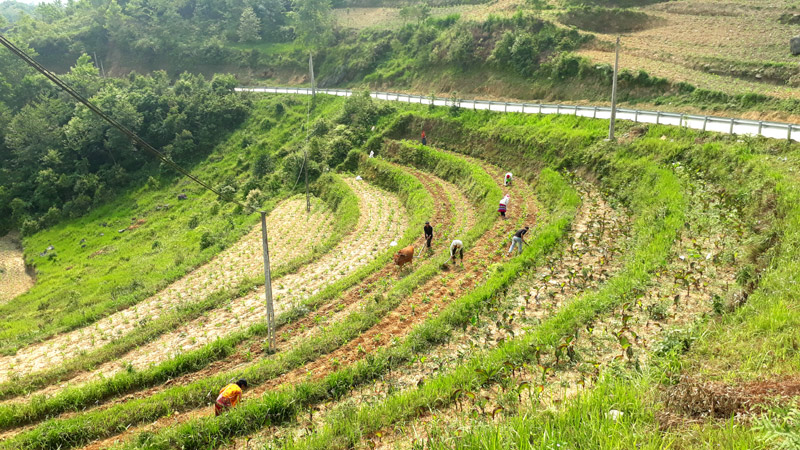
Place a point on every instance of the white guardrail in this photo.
(774, 130)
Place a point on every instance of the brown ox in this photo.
(405, 255)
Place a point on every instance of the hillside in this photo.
(612, 294)
(678, 54)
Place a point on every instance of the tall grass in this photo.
(76, 431)
(285, 404)
(338, 197)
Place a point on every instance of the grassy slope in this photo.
(688, 42)
(756, 342)
(115, 270)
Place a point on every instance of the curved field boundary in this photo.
(77, 431)
(503, 317)
(279, 406)
(224, 271)
(480, 186)
(594, 219)
(658, 205)
(15, 278)
(382, 221)
(775, 130)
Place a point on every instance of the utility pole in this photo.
(614, 95)
(311, 72)
(305, 148)
(268, 284)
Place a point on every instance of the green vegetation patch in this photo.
(280, 406)
(606, 20)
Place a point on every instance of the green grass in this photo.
(278, 407)
(336, 194)
(78, 285)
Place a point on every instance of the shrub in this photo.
(206, 240)
(194, 221)
(29, 227)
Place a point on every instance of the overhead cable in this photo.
(122, 128)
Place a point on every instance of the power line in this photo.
(122, 128)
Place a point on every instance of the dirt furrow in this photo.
(15, 278)
(658, 321)
(226, 270)
(519, 312)
(446, 198)
(430, 298)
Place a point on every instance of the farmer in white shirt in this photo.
(457, 249)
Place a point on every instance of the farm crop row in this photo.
(657, 203)
(337, 195)
(275, 406)
(80, 430)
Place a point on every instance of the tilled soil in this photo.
(290, 333)
(14, 278)
(226, 270)
(374, 231)
(596, 242)
(522, 310)
(428, 299)
(656, 321)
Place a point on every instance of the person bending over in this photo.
(229, 396)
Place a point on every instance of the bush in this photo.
(194, 221)
(29, 227)
(206, 240)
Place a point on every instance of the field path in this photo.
(383, 219)
(430, 298)
(14, 278)
(226, 270)
(447, 200)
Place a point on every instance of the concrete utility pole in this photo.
(268, 284)
(305, 148)
(311, 71)
(614, 95)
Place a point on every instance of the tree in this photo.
(312, 22)
(249, 26)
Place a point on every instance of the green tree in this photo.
(249, 26)
(312, 22)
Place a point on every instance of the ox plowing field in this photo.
(655, 267)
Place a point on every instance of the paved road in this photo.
(775, 130)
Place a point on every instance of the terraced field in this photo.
(225, 271)
(641, 255)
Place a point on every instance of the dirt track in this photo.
(14, 279)
(446, 198)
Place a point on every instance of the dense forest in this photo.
(57, 159)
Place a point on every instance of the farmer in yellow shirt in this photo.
(229, 396)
